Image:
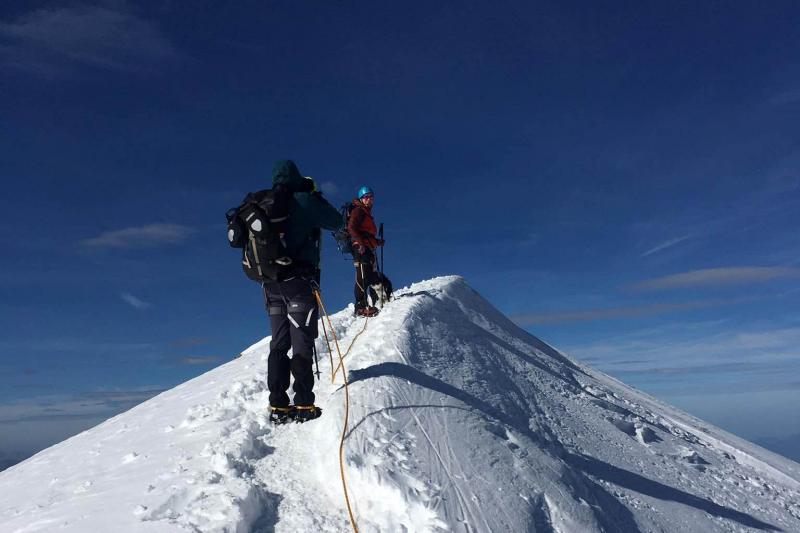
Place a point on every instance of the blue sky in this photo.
(621, 179)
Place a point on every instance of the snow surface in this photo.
(460, 421)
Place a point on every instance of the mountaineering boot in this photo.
(304, 413)
(281, 415)
(367, 311)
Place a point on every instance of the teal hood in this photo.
(286, 173)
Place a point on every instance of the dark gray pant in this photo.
(366, 275)
(293, 316)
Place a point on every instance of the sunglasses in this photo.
(367, 197)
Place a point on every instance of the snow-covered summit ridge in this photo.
(460, 421)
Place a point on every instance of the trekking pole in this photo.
(333, 332)
(324, 329)
(316, 360)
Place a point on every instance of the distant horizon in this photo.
(787, 447)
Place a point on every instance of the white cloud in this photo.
(200, 360)
(134, 301)
(611, 313)
(664, 245)
(681, 350)
(786, 97)
(188, 342)
(700, 348)
(82, 405)
(140, 237)
(718, 276)
(57, 39)
(329, 188)
(78, 345)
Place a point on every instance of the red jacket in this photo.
(361, 226)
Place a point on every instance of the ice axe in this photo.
(380, 235)
(380, 265)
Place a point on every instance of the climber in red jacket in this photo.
(363, 232)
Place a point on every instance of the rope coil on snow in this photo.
(346, 401)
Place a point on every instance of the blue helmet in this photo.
(363, 191)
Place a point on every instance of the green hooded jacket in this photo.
(308, 213)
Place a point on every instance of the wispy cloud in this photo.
(684, 350)
(764, 206)
(717, 276)
(135, 302)
(716, 368)
(201, 360)
(611, 313)
(57, 39)
(786, 97)
(87, 405)
(140, 237)
(681, 359)
(78, 345)
(188, 342)
(329, 187)
(664, 245)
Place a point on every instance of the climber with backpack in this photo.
(278, 230)
(363, 235)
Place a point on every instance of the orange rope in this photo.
(341, 357)
(346, 411)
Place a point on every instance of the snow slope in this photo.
(460, 421)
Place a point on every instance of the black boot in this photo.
(281, 415)
(304, 413)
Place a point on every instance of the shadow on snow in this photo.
(615, 515)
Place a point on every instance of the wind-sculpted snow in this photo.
(460, 421)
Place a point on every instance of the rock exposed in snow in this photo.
(460, 421)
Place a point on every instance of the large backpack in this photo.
(343, 240)
(256, 226)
